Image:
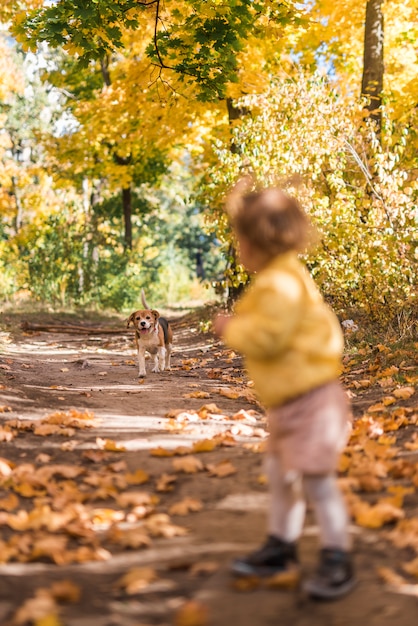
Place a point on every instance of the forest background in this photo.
(124, 123)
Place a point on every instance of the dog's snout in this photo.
(143, 323)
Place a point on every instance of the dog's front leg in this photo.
(168, 357)
(141, 362)
(161, 357)
(156, 367)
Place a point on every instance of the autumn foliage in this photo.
(148, 112)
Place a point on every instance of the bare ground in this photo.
(43, 373)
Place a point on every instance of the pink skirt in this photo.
(309, 432)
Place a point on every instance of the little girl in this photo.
(292, 344)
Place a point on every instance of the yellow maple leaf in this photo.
(205, 445)
(137, 478)
(160, 451)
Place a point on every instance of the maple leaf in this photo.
(51, 546)
(9, 503)
(221, 469)
(288, 579)
(134, 498)
(404, 393)
(203, 568)
(205, 445)
(375, 516)
(197, 394)
(188, 464)
(411, 567)
(389, 576)
(161, 452)
(165, 482)
(192, 613)
(110, 445)
(137, 478)
(186, 506)
(133, 538)
(65, 591)
(137, 579)
(159, 525)
(41, 607)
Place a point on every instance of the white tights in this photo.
(289, 493)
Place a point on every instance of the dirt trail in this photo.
(45, 373)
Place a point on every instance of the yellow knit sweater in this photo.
(290, 338)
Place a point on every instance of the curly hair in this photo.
(269, 218)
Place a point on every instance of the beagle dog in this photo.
(153, 334)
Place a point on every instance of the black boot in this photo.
(334, 577)
(273, 557)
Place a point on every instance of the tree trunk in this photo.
(233, 291)
(127, 217)
(373, 63)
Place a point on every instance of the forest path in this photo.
(111, 528)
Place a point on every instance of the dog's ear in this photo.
(130, 319)
(155, 314)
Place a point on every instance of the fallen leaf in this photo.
(165, 482)
(411, 567)
(186, 506)
(192, 613)
(159, 525)
(205, 445)
(288, 579)
(161, 452)
(137, 478)
(110, 445)
(197, 394)
(188, 464)
(203, 568)
(404, 393)
(41, 607)
(65, 591)
(221, 469)
(390, 577)
(137, 579)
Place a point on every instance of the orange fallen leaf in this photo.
(137, 478)
(159, 525)
(205, 445)
(161, 452)
(411, 567)
(221, 469)
(377, 515)
(186, 506)
(137, 579)
(203, 568)
(404, 393)
(165, 482)
(192, 613)
(110, 445)
(188, 464)
(288, 579)
(37, 609)
(197, 394)
(389, 576)
(65, 591)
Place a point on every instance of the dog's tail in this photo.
(144, 302)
